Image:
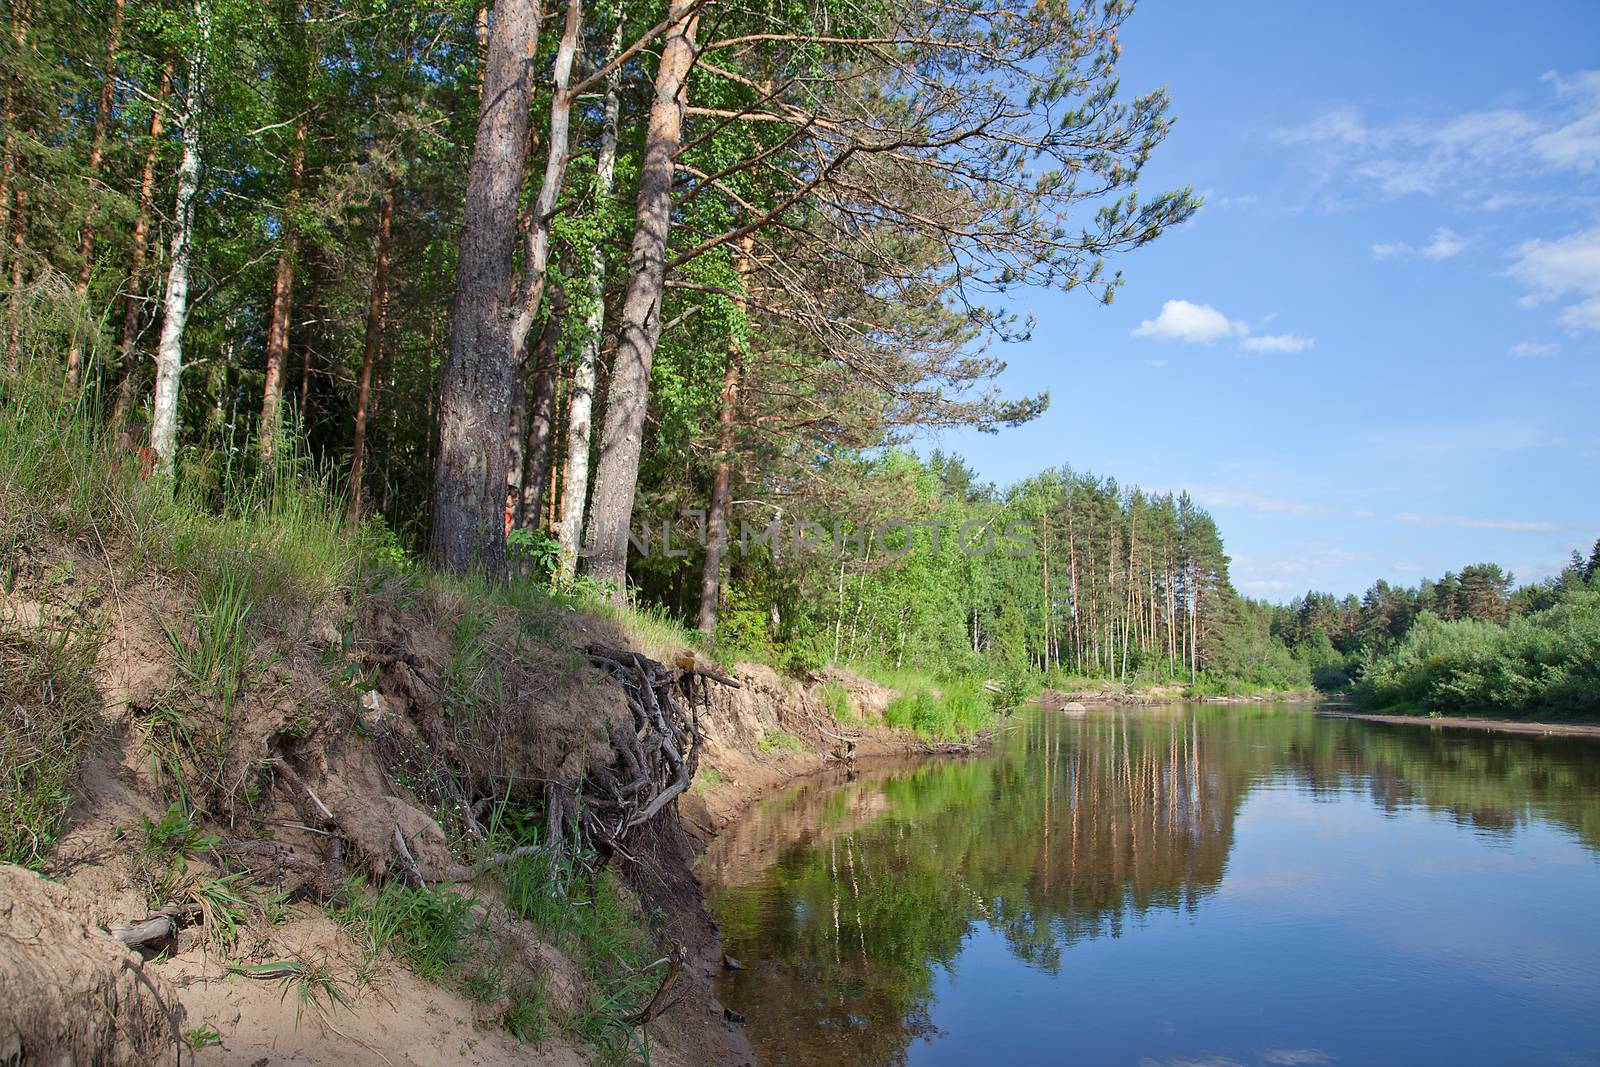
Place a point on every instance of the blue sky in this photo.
(1374, 352)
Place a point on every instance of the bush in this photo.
(955, 709)
(1547, 663)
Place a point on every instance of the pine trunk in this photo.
(722, 475)
(475, 389)
(377, 312)
(97, 153)
(133, 302)
(282, 307)
(622, 436)
(8, 150)
(541, 419)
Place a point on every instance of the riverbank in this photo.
(1509, 726)
(776, 730)
(1110, 693)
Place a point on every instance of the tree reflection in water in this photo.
(847, 896)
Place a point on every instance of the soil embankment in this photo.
(236, 798)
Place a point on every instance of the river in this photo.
(1204, 886)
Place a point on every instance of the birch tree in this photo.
(175, 306)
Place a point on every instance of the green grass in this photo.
(780, 740)
(939, 709)
(312, 981)
(427, 929)
(49, 715)
(836, 699)
(591, 917)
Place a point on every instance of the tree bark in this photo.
(536, 242)
(132, 317)
(282, 307)
(470, 474)
(580, 406)
(8, 149)
(377, 312)
(541, 419)
(97, 152)
(169, 352)
(722, 474)
(19, 232)
(622, 436)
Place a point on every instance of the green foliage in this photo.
(534, 553)
(836, 699)
(1547, 663)
(946, 710)
(49, 714)
(427, 929)
(313, 983)
(780, 740)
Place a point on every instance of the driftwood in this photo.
(156, 930)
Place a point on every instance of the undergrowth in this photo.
(49, 714)
(940, 709)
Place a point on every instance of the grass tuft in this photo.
(49, 714)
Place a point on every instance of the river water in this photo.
(1203, 886)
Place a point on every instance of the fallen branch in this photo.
(156, 930)
(410, 861)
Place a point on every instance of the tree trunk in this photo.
(622, 436)
(19, 233)
(132, 317)
(580, 406)
(169, 351)
(536, 243)
(475, 390)
(541, 418)
(282, 307)
(722, 475)
(8, 150)
(97, 152)
(377, 310)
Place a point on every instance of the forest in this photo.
(582, 297)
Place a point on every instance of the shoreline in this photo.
(1470, 722)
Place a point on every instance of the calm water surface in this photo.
(1196, 886)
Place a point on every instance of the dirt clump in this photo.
(73, 994)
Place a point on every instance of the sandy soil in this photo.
(1509, 726)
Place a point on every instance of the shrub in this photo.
(1547, 663)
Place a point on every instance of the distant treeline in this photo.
(1468, 642)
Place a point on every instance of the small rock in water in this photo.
(732, 964)
(1073, 708)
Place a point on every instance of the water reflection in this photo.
(851, 899)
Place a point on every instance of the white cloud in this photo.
(1568, 267)
(1277, 342)
(1529, 349)
(1181, 320)
(1474, 152)
(1445, 243)
(1224, 496)
(1155, 363)
(1468, 523)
